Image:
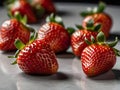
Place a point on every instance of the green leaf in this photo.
(10, 15)
(86, 13)
(101, 7)
(117, 52)
(24, 19)
(39, 10)
(92, 39)
(101, 37)
(112, 44)
(15, 62)
(33, 36)
(31, 29)
(16, 53)
(19, 44)
(87, 41)
(50, 18)
(97, 27)
(70, 30)
(7, 2)
(11, 56)
(19, 17)
(79, 27)
(54, 18)
(90, 23)
(59, 20)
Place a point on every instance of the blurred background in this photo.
(111, 2)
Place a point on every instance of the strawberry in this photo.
(24, 8)
(11, 30)
(55, 34)
(48, 5)
(99, 57)
(98, 16)
(77, 38)
(36, 57)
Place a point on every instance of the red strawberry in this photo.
(99, 57)
(11, 30)
(99, 16)
(78, 37)
(48, 5)
(36, 58)
(55, 34)
(24, 8)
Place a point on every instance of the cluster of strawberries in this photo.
(37, 49)
(32, 9)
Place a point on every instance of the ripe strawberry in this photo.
(98, 16)
(24, 8)
(48, 5)
(36, 58)
(11, 30)
(78, 37)
(99, 57)
(55, 34)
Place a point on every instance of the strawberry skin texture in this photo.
(97, 59)
(47, 5)
(78, 40)
(56, 35)
(37, 58)
(24, 8)
(102, 18)
(11, 30)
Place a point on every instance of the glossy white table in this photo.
(70, 75)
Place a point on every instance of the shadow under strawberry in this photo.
(65, 55)
(57, 76)
(116, 73)
(113, 74)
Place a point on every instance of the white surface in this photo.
(70, 75)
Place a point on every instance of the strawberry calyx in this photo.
(20, 45)
(70, 30)
(19, 17)
(90, 26)
(37, 8)
(8, 3)
(54, 18)
(101, 40)
(90, 11)
(22, 19)
(57, 19)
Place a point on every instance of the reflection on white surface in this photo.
(106, 81)
(5, 64)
